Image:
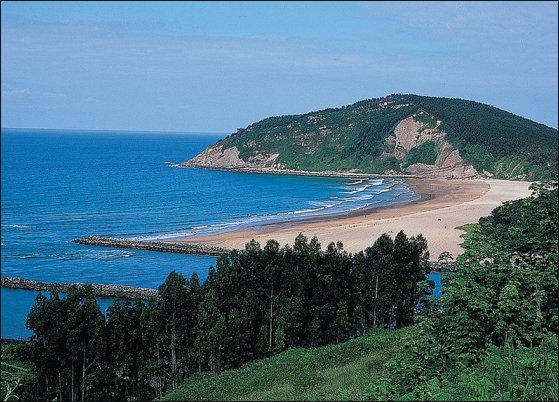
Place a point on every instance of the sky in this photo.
(219, 66)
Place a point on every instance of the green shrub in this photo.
(425, 153)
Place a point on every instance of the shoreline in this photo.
(444, 205)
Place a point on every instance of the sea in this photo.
(58, 185)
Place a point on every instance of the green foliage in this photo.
(425, 153)
(492, 336)
(67, 346)
(17, 376)
(370, 140)
(528, 226)
(256, 302)
(336, 372)
(503, 373)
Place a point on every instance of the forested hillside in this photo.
(411, 134)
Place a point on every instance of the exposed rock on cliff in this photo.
(418, 129)
(228, 158)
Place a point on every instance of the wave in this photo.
(21, 257)
(358, 190)
(95, 254)
(364, 194)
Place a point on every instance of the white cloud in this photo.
(15, 92)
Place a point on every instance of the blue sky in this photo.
(217, 66)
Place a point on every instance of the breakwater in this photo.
(130, 292)
(164, 247)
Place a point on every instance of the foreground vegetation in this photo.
(336, 372)
(15, 374)
(492, 336)
(369, 368)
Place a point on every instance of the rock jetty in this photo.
(164, 247)
(130, 292)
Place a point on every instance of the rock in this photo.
(130, 292)
(228, 158)
(179, 248)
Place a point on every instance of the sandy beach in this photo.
(444, 206)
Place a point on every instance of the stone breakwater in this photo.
(164, 247)
(130, 292)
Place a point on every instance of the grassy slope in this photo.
(14, 373)
(337, 372)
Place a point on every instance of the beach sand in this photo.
(444, 206)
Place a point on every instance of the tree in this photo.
(211, 332)
(85, 327)
(271, 286)
(173, 315)
(126, 347)
(47, 346)
(445, 258)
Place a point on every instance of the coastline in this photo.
(444, 205)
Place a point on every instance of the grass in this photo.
(336, 372)
(14, 374)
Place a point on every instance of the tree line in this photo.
(256, 302)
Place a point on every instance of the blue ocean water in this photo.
(59, 185)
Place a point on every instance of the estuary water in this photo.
(59, 184)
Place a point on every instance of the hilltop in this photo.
(398, 134)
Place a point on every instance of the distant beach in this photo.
(445, 205)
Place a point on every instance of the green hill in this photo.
(397, 134)
(337, 372)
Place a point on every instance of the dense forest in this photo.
(353, 137)
(254, 303)
(493, 334)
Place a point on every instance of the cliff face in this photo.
(398, 134)
(411, 133)
(218, 157)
